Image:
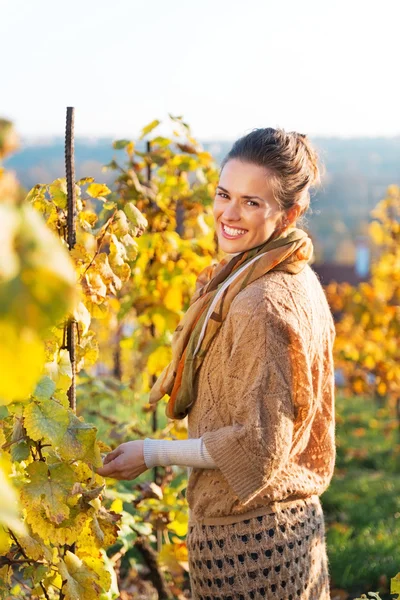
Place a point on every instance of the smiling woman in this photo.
(252, 369)
(244, 221)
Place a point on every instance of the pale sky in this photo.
(321, 67)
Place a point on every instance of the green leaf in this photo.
(111, 165)
(149, 128)
(161, 141)
(135, 216)
(179, 120)
(120, 144)
(85, 180)
(109, 205)
(46, 419)
(79, 442)
(20, 451)
(58, 192)
(44, 389)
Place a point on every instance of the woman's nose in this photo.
(232, 212)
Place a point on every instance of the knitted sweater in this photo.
(265, 401)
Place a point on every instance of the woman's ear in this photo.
(293, 214)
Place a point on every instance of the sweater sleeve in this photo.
(187, 453)
(261, 355)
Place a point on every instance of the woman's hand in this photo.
(125, 462)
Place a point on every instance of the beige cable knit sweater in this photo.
(265, 401)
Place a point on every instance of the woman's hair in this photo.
(289, 157)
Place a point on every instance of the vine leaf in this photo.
(44, 389)
(79, 442)
(98, 190)
(80, 582)
(49, 488)
(46, 419)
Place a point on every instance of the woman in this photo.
(252, 368)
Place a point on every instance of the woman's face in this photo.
(245, 211)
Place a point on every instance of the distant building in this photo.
(345, 273)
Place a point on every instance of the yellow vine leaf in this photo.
(179, 525)
(173, 299)
(131, 246)
(5, 541)
(60, 370)
(42, 289)
(159, 323)
(21, 358)
(106, 273)
(104, 528)
(174, 558)
(158, 360)
(97, 565)
(148, 128)
(98, 190)
(87, 219)
(395, 584)
(120, 223)
(5, 578)
(34, 547)
(68, 532)
(48, 489)
(80, 582)
(82, 317)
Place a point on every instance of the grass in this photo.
(362, 504)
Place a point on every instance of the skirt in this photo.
(280, 555)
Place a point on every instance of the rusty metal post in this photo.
(71, 238)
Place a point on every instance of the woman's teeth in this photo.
(233, 232)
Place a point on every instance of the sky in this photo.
(320, 67)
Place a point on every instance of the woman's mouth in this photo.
(232, 233)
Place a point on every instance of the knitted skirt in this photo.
(280, 555)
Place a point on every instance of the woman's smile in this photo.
(232, 233)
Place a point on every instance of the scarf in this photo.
(216, 287)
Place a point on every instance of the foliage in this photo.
(109, 280)
(53, 452)
(173, 182)
(368, 328)
(367, 352)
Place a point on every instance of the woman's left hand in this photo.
(125, 462)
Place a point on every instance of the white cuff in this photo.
(186, 453)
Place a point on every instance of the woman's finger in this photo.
(112, 455)
(113, 467)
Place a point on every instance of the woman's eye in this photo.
(226, 196)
